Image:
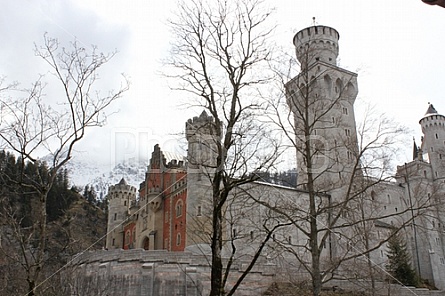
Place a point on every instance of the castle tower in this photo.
(201, 159)
(433, 129)
(322, 99)
(120, 198)
(317, 43)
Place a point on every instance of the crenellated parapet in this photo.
(317, 43)
(121, 190)
(200, 125)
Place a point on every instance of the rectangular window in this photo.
(345, 110)
(347, 132)
(178, 239)
(115, 216)
(198, 211)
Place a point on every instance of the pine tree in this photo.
(399, 262)
(90, 194)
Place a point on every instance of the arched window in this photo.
(338, 86)
(179, 208)
(350, 90)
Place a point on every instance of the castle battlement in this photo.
(317, 43)
(202, 124)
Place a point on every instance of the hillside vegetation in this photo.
(74, 225)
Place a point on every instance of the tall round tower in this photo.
(120, 197)
(433, 129)
(322, 99)
(317, 43)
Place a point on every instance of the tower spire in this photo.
(415, 150)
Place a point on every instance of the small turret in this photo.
(120, 198)
(433, 129)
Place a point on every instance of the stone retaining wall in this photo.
(161, 273)
(157, 273)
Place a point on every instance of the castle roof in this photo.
(415, 150)
(123, 182)
(431, 110)
(203, 114)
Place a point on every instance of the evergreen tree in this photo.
(90, 194)
(399, 262)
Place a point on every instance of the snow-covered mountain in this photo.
(101, 176)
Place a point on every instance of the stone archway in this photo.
(146, 243)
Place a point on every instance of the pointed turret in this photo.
(415, 150)
(431, 110)
(123, 182)
(433, 128)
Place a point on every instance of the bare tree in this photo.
(220, 57)
(34, 125)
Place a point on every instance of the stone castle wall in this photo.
(154, 273)
(160, 273)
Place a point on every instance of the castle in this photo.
(169, 211)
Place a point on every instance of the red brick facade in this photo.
(165, 183)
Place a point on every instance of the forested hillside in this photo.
(74, 224)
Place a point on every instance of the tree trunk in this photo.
(315, 253)
(31, 287)
(217, 269)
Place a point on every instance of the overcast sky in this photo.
(396, 47)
